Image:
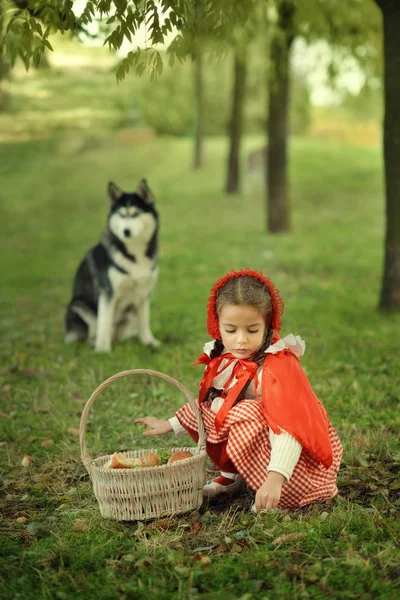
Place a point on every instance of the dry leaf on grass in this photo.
(47, 443)
(81, 525)
(4, 414)
(26, 461)
(42, 409)
(73, 431)
(22, 520)
(33, 372)
(288, 537)
(204, 561)
(194, 528)
(221, 549)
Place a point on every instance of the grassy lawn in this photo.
(54, 207)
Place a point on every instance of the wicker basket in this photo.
(148, 492)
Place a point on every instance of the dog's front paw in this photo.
(103, 347)
(151, 341)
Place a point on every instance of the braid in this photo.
(260, 354)
(217, 350)
(212, 392)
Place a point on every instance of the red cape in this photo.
(291, 404)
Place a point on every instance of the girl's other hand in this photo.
(268, 495)
(157, 426)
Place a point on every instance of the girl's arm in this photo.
(268, 495)
(157, 426)
(285, 453)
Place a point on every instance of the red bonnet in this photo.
(277, 302)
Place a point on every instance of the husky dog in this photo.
(113, 284)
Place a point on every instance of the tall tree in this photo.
(199, 107)
(3, 67)
(347, 29)
(277, 188)
(390, 292)
(236, 122)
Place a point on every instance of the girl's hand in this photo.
(268, 495)
(157, 426)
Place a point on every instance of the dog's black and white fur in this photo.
(113, 284)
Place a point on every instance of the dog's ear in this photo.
(144, 192)
(114, 192)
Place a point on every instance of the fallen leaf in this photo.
(4, 414)
(194, 528)
(6, 388)
(42, 409)
(81, 525)
(204, 561)
(228, 540)
(22, 520)
(47, 443)
(32, 373)
(128, 558)
(288, 537)
(26, 461)
(73, 431)
(221, 549)
(80, 402)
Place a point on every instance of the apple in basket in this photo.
(180, 456)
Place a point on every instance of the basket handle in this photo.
(86, 458)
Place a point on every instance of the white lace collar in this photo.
(291, 342)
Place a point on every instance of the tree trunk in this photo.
(3, 68)
(236, 125)
(390, 292)
(199, 103)
(277, 187)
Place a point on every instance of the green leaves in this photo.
(25, 38)
(140, 61)
(193, 23)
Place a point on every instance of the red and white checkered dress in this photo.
(244, 439)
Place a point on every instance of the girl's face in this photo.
(242, 329)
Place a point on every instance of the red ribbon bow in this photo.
(244, 370)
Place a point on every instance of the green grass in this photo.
(329, 272)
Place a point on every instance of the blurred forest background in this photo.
(74, 94)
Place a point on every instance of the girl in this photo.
(265, 426)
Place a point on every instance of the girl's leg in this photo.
(229, 481)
